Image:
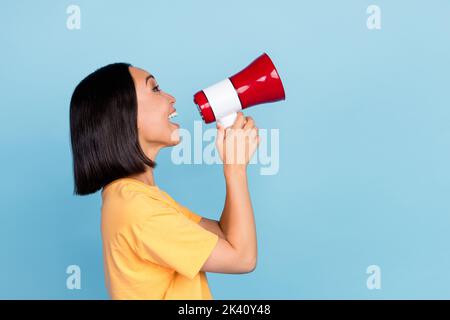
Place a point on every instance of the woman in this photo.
(153, 247)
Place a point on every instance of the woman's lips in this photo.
(173, 114)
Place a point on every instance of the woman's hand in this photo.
(237, 144)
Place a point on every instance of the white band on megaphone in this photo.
(223, 98)
(228, 120)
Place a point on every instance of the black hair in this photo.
(103, 129)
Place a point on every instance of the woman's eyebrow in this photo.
(149, 77)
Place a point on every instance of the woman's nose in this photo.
(171, 98)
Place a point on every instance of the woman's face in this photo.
(154, 108)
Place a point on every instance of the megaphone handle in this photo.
(228, 120)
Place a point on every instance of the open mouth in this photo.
(173, 115)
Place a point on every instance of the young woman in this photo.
(154, 247)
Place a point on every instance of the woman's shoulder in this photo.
(127, 192)
(127, 201)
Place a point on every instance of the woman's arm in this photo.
(236, 249)
(212, 226)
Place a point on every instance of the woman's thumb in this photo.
(220, 132)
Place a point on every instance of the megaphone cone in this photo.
(258, 83)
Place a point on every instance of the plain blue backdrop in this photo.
(364, 175)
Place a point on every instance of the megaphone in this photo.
(258, 83)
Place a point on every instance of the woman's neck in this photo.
(146, 177)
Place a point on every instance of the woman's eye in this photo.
(156, 89)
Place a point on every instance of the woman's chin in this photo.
(175, 136)
(173, 143)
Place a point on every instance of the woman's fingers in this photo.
(220, 135)
(220, 132)
(238, 142)
(239, 122)
(250, 123)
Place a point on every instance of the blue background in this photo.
(364, 172)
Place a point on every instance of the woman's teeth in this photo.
(173, 114)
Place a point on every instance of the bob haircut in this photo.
(103, 129)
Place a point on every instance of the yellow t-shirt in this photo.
(153, 247)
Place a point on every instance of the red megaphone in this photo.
(258, 83)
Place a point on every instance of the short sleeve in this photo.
(169, 238)
(191, 214)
